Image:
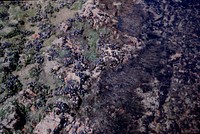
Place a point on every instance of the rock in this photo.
(118, 5)
(175, 56)
(48, 124)
(12, 116)
(8, 114)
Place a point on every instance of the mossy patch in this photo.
(77, 5)
(16, 13)
(31, 12)
(104, 31)
(3, 9)
(92, 38)
(63, 53)
(2, 113)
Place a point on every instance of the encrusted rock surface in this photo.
(100, 67)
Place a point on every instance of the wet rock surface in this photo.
(99, 67)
